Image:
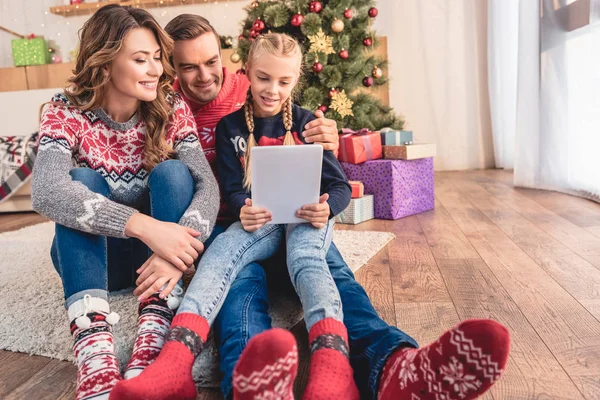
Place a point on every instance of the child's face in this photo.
(272, 80)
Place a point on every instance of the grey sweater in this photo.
(69, 138)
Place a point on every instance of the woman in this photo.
(121, 171)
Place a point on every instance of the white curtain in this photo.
(557, 95)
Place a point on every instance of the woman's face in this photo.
(135, 72)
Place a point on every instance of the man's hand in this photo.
(155, 272)
(253, 218)
(322, 131)
(316, 214)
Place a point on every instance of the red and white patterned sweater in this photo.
(69, 137)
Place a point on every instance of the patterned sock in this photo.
(267, 367)
(97, 367)
(154, 321)
(330, 376)
(170, 376)
(462, 364)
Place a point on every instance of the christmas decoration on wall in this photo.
(337, 25)
(315, 6)
(342, 104)
(226, 42)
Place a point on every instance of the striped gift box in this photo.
(359, 210)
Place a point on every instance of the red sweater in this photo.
(231, 97)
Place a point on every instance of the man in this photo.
(385, 360)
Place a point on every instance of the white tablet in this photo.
(285, 178)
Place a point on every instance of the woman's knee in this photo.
(91, 179)
(170, 173)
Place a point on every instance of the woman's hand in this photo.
(155, 272)
(316, 214)
(174, 243)
(253, 218)
(322, 131)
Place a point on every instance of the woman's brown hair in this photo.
(100, 40)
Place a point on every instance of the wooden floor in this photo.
(529, 259)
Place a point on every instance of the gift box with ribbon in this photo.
(359, 146)
(399, 187)
(409, 152)
(396, 138)
(32, 50)
(358, 189)
(359, 210)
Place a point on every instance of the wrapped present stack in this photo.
(30, 51)
(402, 183)
(359, 210)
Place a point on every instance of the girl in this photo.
(268, 118)
(121, 172)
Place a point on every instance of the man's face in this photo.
(199, 68)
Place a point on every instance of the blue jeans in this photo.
(244, 315)
(306, 248)
(93, 264)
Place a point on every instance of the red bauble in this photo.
(348, 13)
(258, 25)
(373, 12)
(241, 37)
(367, 81)
(254, 34)
(322, 108)
(317, 67)
(297, 20)
(344, 54)
(315, 6)
(241, 71)
(333, 92)
(368, 42)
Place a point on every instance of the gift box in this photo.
(396, 138)
(33, 51)
(409, 152)
(359, 210)
(358, 189)
(399, 187)
(359, 146)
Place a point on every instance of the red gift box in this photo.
(358, 189)
(359, 146)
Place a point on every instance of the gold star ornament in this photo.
(321, 43)
(342, 104)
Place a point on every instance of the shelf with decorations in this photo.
(90, 7)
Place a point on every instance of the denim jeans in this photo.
(93, 264)
(306, 248)
(244, 315)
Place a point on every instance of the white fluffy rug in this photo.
(34, 321)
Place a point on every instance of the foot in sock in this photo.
(267, 367)
(461, 365)
(330, 376)
(170, 376)
(153, 322)
(97, 367)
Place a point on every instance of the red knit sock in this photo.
(267, 367)
(462, 364)
(170, 376)
(330, 376)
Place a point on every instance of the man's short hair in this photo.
(189, 26)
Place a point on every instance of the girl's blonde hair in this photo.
(279, 45)
(101, 39)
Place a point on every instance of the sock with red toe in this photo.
(267, 367)
(170, 375)
(330, 376)
(461, 365)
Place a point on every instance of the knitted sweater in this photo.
(232, 135)
(71, 138)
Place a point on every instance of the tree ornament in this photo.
(377, 72)
(254, 4)
(344, 54)
(342, 104)
(297, 19)
(337, 25)
(315, 6)
(235, 58)
(367, 81)
(254, 34)
(258, 25)
(373, 12)
(368, 42)
(229, 41)
(317, 67)
(241, 37)
(322, 108)
(321, 43)
(333, 92)
(348, 13)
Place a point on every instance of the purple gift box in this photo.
(400, 187)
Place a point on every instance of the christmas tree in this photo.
(337, 42)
